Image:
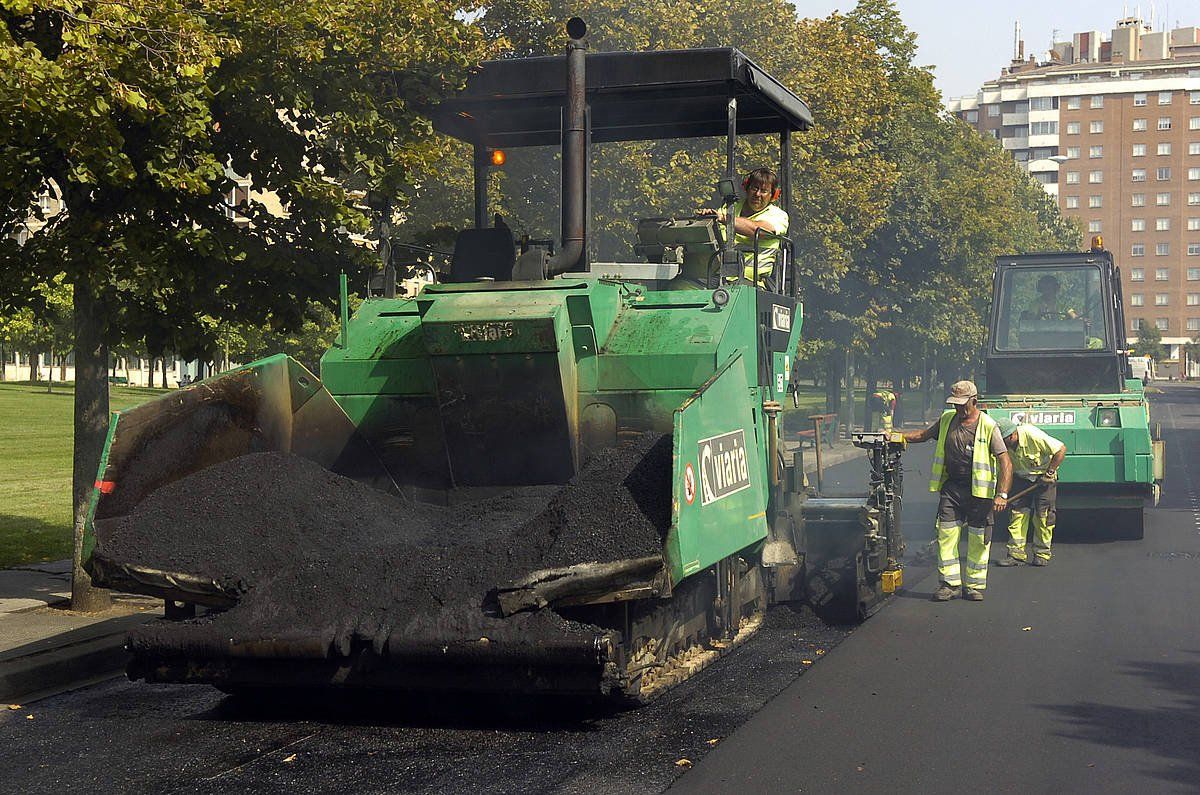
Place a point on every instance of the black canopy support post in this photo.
(785, 178)
(482, 163)
(729, 255)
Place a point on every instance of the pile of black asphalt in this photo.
(316, 558)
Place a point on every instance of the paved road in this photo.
(1080, 677)
(1101, 694)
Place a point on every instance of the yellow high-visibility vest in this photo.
(983, 463)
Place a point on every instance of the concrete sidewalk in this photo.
(45, 647)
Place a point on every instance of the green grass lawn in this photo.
(35, 468)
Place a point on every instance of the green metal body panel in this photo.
(473, 372)
(1106, 465)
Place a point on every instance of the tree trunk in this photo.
(50, 374)
(833, 382)
(34, 367)
(3, 363)
(91, 425)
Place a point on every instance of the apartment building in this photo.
(1110, 126)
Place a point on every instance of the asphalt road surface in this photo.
(1083, 676)
(1101, 693)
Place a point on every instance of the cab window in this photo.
(1051, 309)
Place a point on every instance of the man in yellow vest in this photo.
(884, 401)
(757, 211)
(972, 472)
(1036, 458)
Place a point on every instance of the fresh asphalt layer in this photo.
(1080, 677)
(1102, 693)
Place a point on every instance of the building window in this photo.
(1071, 202)
(1095, 177)
(1043, 128)
(1137, 299)
(1193, 251)
(1193, 324)
(1095, 201)
(1163, 174)
(1096, 126)
(1138, 175)
(1138, 250)
(1073, 103)
(1194, 123)
(1193, 274)
(1138, 274)
(1139, 100)
(1194, 148)
(1164, 97)
(1072, 128)
(1139, 150)
(1194, 173)
(1073, 177)
(1162, 224)
(1095, 151)
(1162, 199)
(1042, 103)
(1139, 125)
(1137, 200)
(993, 111)
(972, 116)
(1072, 153)
(1098, 101)
(1164, 149)
(1193, 299)
(1161, 299)
(1161, 250)
(1193, 225)
(1164, 123)
(1094, 226)
(1135, 324)
(1193, 199)
(1137, 225)
(1162, 323)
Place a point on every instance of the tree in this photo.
(142, 114)
(1149, 343)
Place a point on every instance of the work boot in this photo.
(1040, 561)
(972, 595)
(1009, 560)
(944, 593)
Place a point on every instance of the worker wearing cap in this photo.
(1036, 457)
(756, 212)
(972, 472)
(885, 404)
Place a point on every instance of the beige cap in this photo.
(961, 392)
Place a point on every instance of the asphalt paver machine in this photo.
(517, 370)
(1057, 358)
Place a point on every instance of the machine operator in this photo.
(757, 211)
(1036, 458)
(972, 471)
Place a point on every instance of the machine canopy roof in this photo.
(632, 96)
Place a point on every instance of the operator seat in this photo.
(483, 254)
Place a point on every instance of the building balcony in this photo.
(1010, 144)
(1014, 119)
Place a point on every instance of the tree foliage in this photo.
(1149, 343)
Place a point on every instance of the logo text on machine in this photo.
(781, 317)
(1044, 417)
(724, 469)
(485, 332)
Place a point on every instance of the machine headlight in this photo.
(1108, 418)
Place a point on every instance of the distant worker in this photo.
(757, 211)
(1047, 302)
(1036, 457)
(884, 401)
(973, 472)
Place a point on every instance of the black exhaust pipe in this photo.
(574, 157)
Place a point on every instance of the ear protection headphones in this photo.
(774, 178)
